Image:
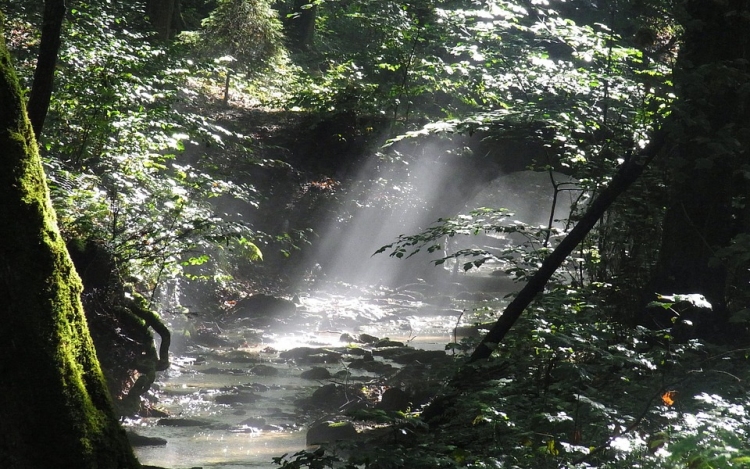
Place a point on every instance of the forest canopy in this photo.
(207, 150)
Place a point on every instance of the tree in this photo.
(44, 74)
(56, 410)
(708, 168)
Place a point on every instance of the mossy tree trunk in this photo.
(55, 412)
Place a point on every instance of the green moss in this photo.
(56, 411)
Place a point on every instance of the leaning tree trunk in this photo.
(626, 175)
(710, 165)
(55, 412)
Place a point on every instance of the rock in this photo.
(255, 422)
(311, 355)
(263, 305)
(240, 356)
(330, 432)
(388, 343)
(223, 371)
(356, 351)
(140, 440)
(329, 396)
(346, 337)
(368, 339)
(316, 373)
(394, 399)
(210, 338)
(421, 356)
(264, 370)
(371, 366)
(237, 398)
(182, 423)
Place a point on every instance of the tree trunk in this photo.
(162, 13)
(300, 28)
(56, 411)
(626, 175)
(44, 74)
(711, 134)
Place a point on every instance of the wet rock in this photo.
(264, 370)
(209, 338)
(368, 339)
(263, 305)
(330, 432)
(329, 396)
(371, 366)
(150, 411)
(407, 355)
(182, 423)
(316, 373)
(240, 356)
(311, 355)
(355, 351)
(346, 337)
(255, 422)
(394, 399)
(237, 398)
(137, 440)
(388, 343)
(390, 352)
(421, 356)
(257, 387)
(223, 371)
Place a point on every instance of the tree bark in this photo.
(624, 178)
(56, 411)
(301, 27)
(712, 137)
(44, 74)
(162, 13)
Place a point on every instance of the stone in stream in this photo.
(260, 305)
(171, 422)
(311, 355)
(264, 370)
(371, 366)
(330, 432)
(331, 396)
(316, 373)
(368, 339)
(137, 440)
(255, 422)
(237, 398)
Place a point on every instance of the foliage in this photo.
(248, 31)
(112, 147)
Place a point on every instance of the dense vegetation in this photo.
(205, 141)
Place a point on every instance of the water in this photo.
(200, 374)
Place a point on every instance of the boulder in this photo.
(263, 305)
(264, 370)
(236, 398)
(330, 432)
(394, 399)
(316, 373)
(182, 423)
(137, 440)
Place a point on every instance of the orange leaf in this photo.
(668, 398)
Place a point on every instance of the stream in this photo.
(233, 390)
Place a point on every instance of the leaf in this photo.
(668, 398)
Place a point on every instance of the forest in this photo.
(375, 234)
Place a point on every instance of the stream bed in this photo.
(235, 396)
